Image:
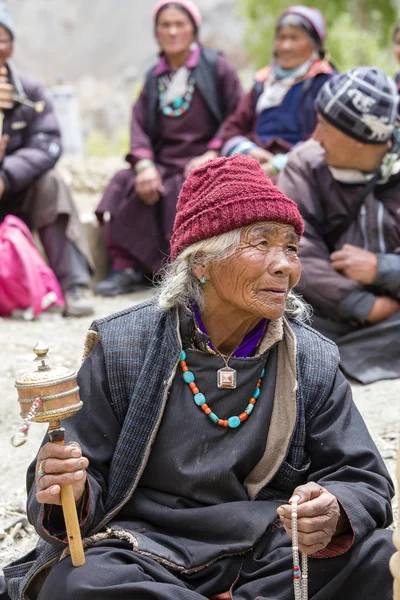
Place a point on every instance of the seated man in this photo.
(346, 182)
(29, 187)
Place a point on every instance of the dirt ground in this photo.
(379, 403)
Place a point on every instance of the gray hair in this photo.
(180, 287)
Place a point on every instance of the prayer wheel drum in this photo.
(49, 395)
(55, 386)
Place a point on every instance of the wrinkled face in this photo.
(6, 46)
(174, 31)
(292, 47)
(340, 149)
(258, 277)
(396, 46)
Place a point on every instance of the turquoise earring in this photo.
(203, 280)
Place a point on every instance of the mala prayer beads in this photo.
(200, 399)
(300, 575)
(180, 105)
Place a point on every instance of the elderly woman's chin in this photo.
(269, 305)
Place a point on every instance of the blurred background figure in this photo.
(346, 183)
(176, 127)
(279, 111)
(30, 188)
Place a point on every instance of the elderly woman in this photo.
(205, 411)
(279, 112)
(176, 126)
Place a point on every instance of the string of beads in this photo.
(200, 399)
(300, 575)
(20, 436)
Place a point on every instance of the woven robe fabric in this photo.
(124, 398)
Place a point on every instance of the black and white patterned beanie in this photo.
(361, 102)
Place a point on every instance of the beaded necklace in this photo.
(200, 399)
(180, 105)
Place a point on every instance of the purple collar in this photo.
(163, 67)
(249, 343)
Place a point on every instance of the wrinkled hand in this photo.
(62, 465)
(263, 156)
(199, 161)
(383, 308)
(149, 186)
(6, 90)
(318, 517)
(355, 263)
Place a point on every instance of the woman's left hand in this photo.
(319, 517)
(198, 161)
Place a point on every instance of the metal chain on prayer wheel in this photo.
(395, 559)
(48, 395)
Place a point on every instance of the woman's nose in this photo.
(280, 264)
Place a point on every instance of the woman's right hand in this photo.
(60, 465)
(263, 156)
(148, 185)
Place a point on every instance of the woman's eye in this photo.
(293, 249)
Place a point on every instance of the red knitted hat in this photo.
(225, 194)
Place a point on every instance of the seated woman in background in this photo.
(175, 127)
(278, 112)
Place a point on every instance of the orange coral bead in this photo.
(195, 390)
(252, 401)
(226, 424)
(183, 363)
(221, 422)
(204, 407)
(243, 416)
(207, 411)
(184, 369)
(192, 385)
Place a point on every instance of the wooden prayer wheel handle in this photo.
(56, 435)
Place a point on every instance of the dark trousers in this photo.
(113, 571)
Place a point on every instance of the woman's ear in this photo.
(198, 271)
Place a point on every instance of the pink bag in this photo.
(27, 285)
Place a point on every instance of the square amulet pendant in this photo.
(226, 378)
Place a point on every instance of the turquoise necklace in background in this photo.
(181, 104)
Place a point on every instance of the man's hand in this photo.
(355, 263)
(383, 308)
(6, 90)
(199, 161)
(263, 156)
(57, 466)
(148, 185)
(319, 517)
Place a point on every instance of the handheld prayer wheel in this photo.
(49, 395)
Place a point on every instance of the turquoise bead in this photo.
(177, 103)
(167, 110)
(186, 105)
(188, 377)
(213, 418)
(262, 373)
(249, 409)
(182, 355)
(234, 422)
(256, 393)
(199, 399)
